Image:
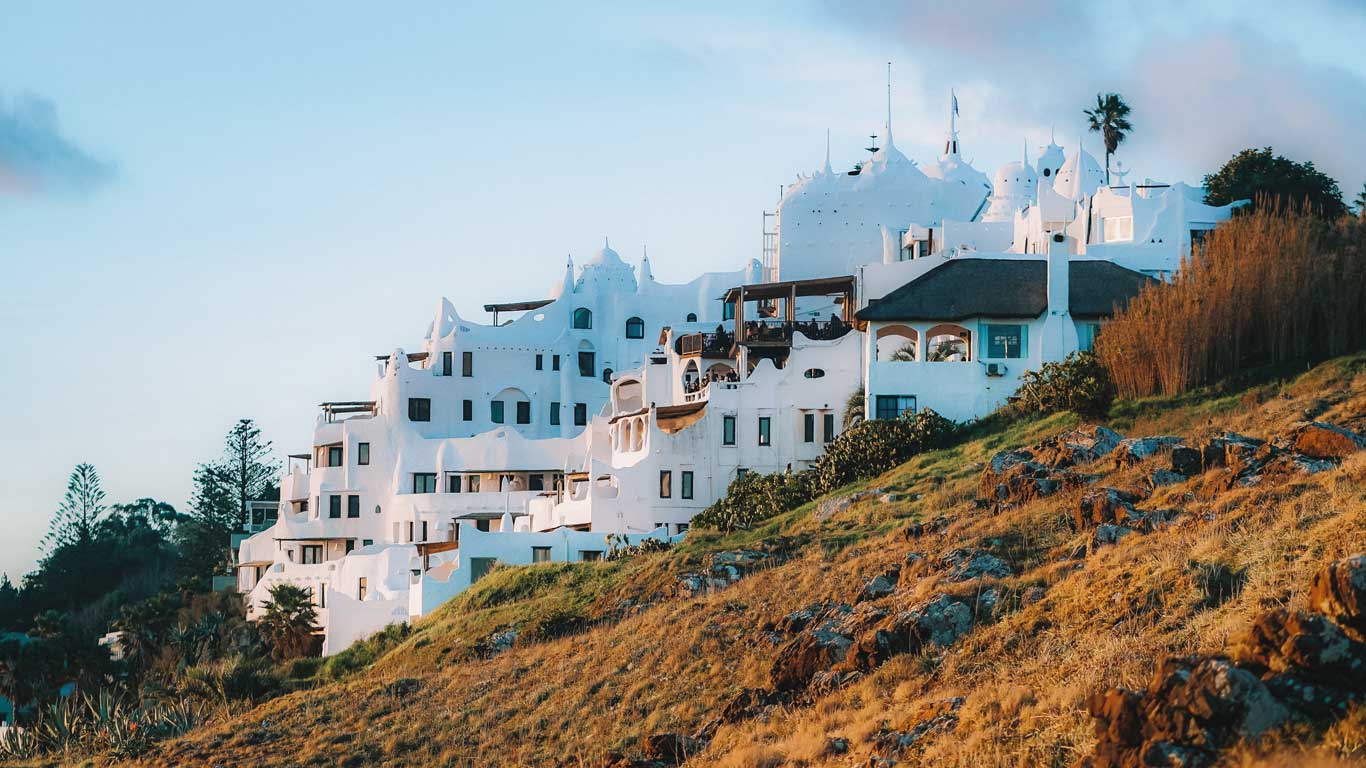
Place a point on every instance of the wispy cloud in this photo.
(36, 159)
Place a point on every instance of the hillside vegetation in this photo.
(956, 610)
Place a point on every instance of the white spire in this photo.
(645, 274)
(827, 152)
(1026, 151)
(889, 103)
(951, 144)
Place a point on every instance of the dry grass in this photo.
(1266, 289)
(668, 666)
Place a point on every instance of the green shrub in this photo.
(1078, 383)
(363, 653)
(870, 448)
(864, 450)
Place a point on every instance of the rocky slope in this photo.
(1174, 585)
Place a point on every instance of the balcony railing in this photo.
(706, 344)
(781, 331)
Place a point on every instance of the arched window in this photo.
(583, 318)
(635, 328)
(692, 317)
(606, 375)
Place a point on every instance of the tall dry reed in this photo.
(1266, 288)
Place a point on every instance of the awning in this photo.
(256, 564)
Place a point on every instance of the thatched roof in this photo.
(963, 288)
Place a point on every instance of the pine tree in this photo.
(248, 468)
(79, 513)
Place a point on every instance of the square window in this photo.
(590, 555)
(580, 414)
(352, 505)
(587, 364)
(496, 411)
(473, 483)
(334, 506)
(808, 427)
(554, 414)
(1005, 342)
(727, 430)
(764, 424)
(424, 482)
(666, 482)
(482, 525)
(419, 409)
(452, 483)
(467, 410)
(334, 456)
(535, 482)
(467, 364)
(523, 412)
(892, 406)
(685, 487)
(362, 453)
(540, 554)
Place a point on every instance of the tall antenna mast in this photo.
(889, 103)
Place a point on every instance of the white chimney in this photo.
(1059, 336)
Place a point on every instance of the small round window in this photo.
(813, 373)
(1048, 171)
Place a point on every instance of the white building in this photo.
(620, 405)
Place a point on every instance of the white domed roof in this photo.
(605, 257)
(1014, 174)
(1051, 159)
(1080, 175)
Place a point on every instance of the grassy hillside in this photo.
(565, 664)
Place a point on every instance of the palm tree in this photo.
(288, 621)
(1360, 202)
(853, 408)
(1110, 118)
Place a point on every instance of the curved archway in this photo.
(515, 406)
(948, 343)
(691, 376)
(898, 343)
(628, 394)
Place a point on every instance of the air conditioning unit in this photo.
(996, 369)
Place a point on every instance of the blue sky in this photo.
(209, 212)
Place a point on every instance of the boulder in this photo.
(1187, 461)
(810, 652)
(670, 748)
(932, 718)
(1107, 534)
(964, 565)
(1190, 710)
(833, 506)
(939, 622)
(1135, 449)
(836, 745)
(1306, 643)
(722, 569)
(1105, 506)
(1231, 450)
(880, 586)
(1157, 478)
(1338, 591)
(1076, 446)
(747, 703)
(1318, 440)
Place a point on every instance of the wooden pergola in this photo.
(788, 292)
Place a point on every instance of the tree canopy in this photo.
(1266, 178)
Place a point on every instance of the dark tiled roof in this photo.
(963, 288)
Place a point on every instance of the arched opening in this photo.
(635, 328)
(606, 375)
(898, 344)
(629, 395)
(638, 433)
(588, 363)
(721, 372)
(691, 377)
(948, 343)
(692, 317)
(583, 319)
(511, 406)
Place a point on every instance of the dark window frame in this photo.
(580, 414)
(685, 484)
(467, 410)
(765, 430)
(447, 363)
(420, 484)
(728, 430)
(554, 414)
(582, 319)
(352, 505)
(808, 427)
(419, 409)
(635, 328)
(334, 506)
(666, 483)
(523, 415)
(467, 364)
(497, 413)
(363, 454)
(588, 363)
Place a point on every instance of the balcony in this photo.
(779, 332)
(705, 344)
